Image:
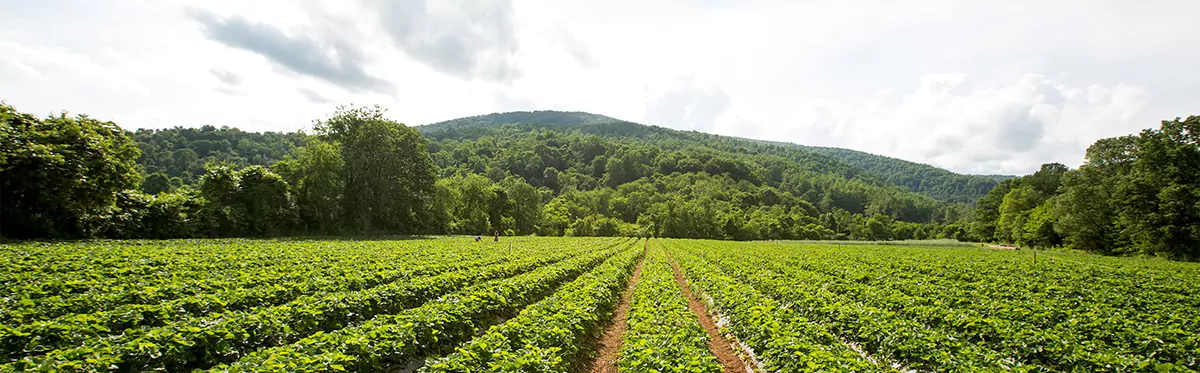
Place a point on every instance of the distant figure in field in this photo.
(497, 237)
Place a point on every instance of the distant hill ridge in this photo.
(931, 181)
(541, 117)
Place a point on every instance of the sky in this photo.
(983, 87)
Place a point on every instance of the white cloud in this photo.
(468, 39)
(686, 104)
(948, 121)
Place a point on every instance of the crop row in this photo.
(877, 331)
(663, 335)
(43, 336)
(949, 314)
(388, 342)
(782, 339)
(74, 269)
(1045, 316)
(203, 341)
(71, 266)
(550, 335)
(200, 340)
(198, 289)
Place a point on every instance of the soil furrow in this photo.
(716, 342)
(609, 345)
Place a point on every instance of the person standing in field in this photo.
(497, 236)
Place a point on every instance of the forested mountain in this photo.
(555, 173)
(921, 178)
(545, 117)
(677, 183)
(931, 181)
(558, 173)
(997, 178)
(179, 154)
(935, 182)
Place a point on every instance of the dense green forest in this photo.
(179, 154)
(1137, 194)
(928, 180)
(628, 176)
(552, 173)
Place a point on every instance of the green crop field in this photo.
(538, 304)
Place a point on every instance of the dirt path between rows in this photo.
(716, 342)
(609, 346)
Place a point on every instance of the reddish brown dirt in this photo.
(716, 342)
(609, 345)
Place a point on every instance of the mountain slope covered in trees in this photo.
(557, 173)
(935, 182)
(544, 117)
(178, 155)
(678, 183)
(173, 157)
(921, 178)
(569, 174)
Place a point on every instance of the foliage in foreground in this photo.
(663, 335)
(941, 309)
(457, 305)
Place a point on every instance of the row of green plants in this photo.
(879, 332)
(210, 339)
(141, 299)
(391, 342)
(779, 336)
(664, 335)
(972, 310)
(1058, 314)
(551, 335)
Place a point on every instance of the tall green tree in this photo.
(156, 183)
(221, 215)
(1038, 230)
(877, 228)
(466, 201)
(1014, 212)
(59, 176)
(1158, 201)
(389, 175)
(1085, 214)
(524, 204)
(264, 202)
(987, 212)
(315, 173)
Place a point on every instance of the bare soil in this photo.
(609, 346)
(720, 347)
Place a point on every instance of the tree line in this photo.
(613, 177)
(360, 173)
(932, 181)
(558, 173)
(1136, 194)
(78, 177)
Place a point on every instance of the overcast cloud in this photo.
(337, 61)
(974, 87)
